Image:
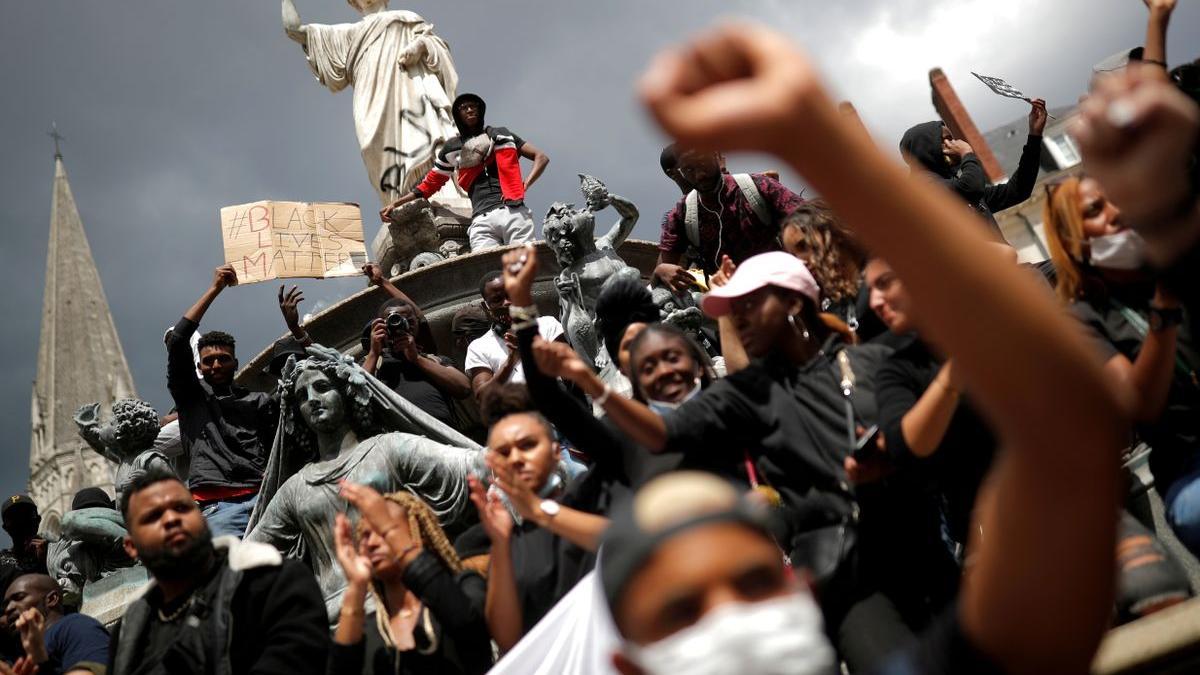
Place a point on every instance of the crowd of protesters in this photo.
(909, 456)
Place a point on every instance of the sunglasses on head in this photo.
(1051, 186)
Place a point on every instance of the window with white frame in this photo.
(1062, 149)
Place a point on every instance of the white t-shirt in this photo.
(489, 350)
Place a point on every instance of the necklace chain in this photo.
(168, 618)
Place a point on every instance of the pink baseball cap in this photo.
(765, 269)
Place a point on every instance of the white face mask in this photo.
(782, 636)
(664, 407)
(1125, 250)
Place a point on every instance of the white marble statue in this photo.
(403, 80)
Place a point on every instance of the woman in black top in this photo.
(933, 433)
(428, 615)
(537, 556)
(786, 413)
(788, 419)
(1141, 332)
(926, 425)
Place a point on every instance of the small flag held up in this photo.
(999, 86)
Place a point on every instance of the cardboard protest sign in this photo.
(278, 240)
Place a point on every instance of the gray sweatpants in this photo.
(500, 226)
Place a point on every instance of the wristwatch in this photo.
(549, 507)
(1161, 319)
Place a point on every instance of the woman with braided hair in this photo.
(428, 615)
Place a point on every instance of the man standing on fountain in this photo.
(488, 161)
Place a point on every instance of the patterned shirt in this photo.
(738, 232)
(15, 563)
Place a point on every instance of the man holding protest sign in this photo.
(226, 430)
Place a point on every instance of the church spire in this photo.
(80, 361)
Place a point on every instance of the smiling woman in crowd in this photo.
(664, 366)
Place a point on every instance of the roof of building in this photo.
(1008, 140)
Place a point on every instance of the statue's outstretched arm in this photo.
(291, 24)
(87, 418)
(621, 231)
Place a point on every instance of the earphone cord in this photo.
(720, 225)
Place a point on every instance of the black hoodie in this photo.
(463, 132)
(968, 180)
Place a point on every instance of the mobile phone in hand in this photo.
(865, 447)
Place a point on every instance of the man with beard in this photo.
(493, 359)
(224, 607)
(737, 215)
(71, 644)
(488, 162)
(226, 430)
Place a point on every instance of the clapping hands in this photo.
(493, 515)
(31, 626)
(355, 566)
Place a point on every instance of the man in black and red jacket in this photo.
(488, 162)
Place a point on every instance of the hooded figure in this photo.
(478, 147)
(485, 162)
(463, 130)
(923, 145)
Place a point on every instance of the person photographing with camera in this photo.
(411, 366)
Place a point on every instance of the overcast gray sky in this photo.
(174, 109)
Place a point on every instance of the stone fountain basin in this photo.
(439, 289)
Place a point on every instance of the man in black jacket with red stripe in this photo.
(488, 162)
